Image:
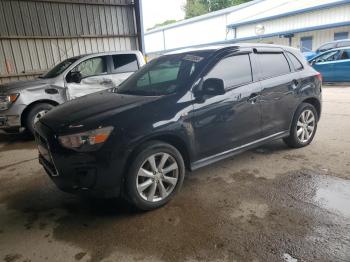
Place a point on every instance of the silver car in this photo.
(23, 103)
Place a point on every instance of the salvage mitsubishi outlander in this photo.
(181, 111)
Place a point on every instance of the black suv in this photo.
(181, 111)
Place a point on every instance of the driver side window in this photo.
(331, 56)
(92, 67)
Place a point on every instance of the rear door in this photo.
(91, 76)
(341, 67)
(122, 66)
(278, 85)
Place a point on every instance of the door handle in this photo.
(253, 98)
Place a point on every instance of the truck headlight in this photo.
(7, 100)
(86, 141)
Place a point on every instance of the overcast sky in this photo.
(158, 11)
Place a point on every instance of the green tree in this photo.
(194, 8)
(167, 22)
(199, 7)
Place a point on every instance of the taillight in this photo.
(319, 77)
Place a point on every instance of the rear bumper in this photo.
(98, 174)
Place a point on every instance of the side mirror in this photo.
(213, 87)
(74, 77)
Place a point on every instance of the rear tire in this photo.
(35, 113)
(304, 126)
(156, 174)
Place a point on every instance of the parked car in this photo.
(23, 103)
(327, 46)
(181, 111)
(334, 65)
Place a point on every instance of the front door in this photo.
(341, 67)
(227, 121)
(88, 77)
(325, 64)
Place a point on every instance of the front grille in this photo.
(3, 103)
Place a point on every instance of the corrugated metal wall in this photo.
(37, 34)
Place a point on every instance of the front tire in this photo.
(155, 176)
(35, 113)
(303, 127)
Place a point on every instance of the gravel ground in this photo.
(268, 204)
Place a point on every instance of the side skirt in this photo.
(234, 151)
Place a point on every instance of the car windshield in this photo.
(164, 75)
(60, 68)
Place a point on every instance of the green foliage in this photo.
(194, 8)
(167, 22)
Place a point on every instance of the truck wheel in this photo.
(35, 113)
(303, 127)
(156, 174)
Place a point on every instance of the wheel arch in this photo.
(316, 103)
(174, 140)
(30, 106)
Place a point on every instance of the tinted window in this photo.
(92, 67)
(125, 63)
(295, 61)
(234, 70)
(273, 65)
(344, 44)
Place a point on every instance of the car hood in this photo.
(95, 107)
(21, 85)
(309, 55)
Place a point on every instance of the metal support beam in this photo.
(85, 2)
(65, 37)
(139, 24)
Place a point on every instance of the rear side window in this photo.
(295, 62)
(125, 63)
(234, 70)
(273, 64)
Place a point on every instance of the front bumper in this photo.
(10, 121)
(11, 118)
(99, 173)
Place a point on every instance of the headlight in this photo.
(7, 100)
(87, 141)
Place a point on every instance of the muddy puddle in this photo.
(299, 216)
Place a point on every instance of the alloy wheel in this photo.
(157, 177)
(39, 115)
(306, 126)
